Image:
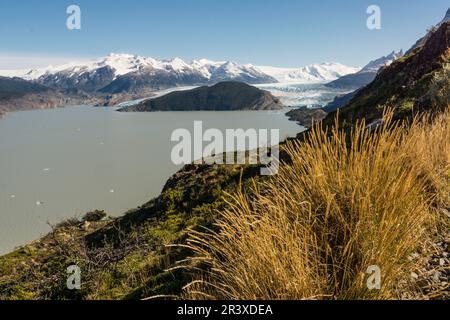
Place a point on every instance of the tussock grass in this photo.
(346, 202)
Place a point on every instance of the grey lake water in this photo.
(60, 163)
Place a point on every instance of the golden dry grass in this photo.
(344, 204)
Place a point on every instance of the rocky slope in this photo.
(224, 96)
(130, 73)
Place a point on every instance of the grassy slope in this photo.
(346, 203)
(125, 257)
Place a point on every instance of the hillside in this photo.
(224, 96)
(19, 94)
(11, 88)
(117, 73)
(117, 78)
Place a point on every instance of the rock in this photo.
(436, 276)
(94, 216)
(306, 116)
(413, 256)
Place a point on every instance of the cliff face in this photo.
(224, 96)
(417, 82)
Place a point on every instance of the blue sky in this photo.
(262, 32)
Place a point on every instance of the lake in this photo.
(61, 163)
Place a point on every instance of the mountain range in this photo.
(366, 75)
(120, 77)
(106, 73)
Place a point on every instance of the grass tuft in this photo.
(347, 201)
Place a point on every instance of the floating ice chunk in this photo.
(13, 196)
(111, 191)
(46, 169)
(39, 203)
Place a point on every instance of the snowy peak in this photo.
(175, 64)
(122, 63)
(375, 65)
(312, 73)
(118, 72)
(233, 69)
(366, 75)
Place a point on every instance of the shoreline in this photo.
(143, 192)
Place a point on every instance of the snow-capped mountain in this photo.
(123, 72)
(313, 73)
(120, 64)
(118, 73)
(375, 65)
(366, 75)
